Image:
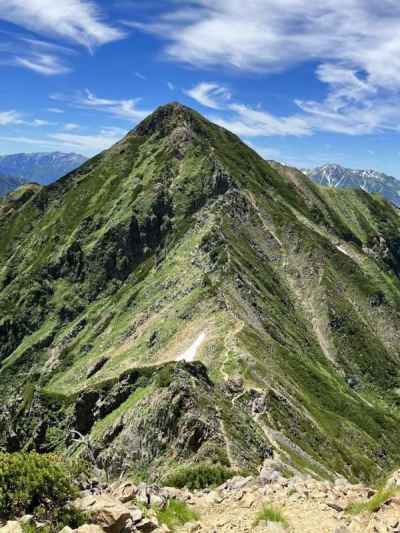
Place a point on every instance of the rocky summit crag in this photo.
(177, 300)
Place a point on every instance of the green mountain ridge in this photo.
(179, 300)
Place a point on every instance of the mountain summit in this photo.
(178, 300)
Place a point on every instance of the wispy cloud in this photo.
(274, 34)
(27, 140)
(74, 21)
(35, 54)
(14, 118)
(359, 67)
(46, 64)
(255, 123)
(353, 106)
(71, 126)
(210, 95)
(126, 109)
(79, 21)
(56, 110)
(243, 119)
(37, 122)
(86, 144)
(10, 117)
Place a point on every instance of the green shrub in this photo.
(199, 476)
(176, 514)
(36, 484)
(164, 377)
(270, 514)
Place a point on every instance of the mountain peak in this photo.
(166, 118)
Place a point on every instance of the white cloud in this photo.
(255, 123)
(39, 123)
(272, 34)
(71, 126)
(140, 76)
(27, 140)
(88, 144)
(355, 43)
(46, 64)
(245, 120)
(170, 86)
(55, 110)
(265, 151)
(10, 117)
(210, 95)
(79, 21)
(34, 54)
(127, 109)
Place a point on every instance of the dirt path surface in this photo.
(309, 506)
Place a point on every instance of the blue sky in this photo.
(303, 82)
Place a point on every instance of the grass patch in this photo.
(101, 426)
(373, 504)
(268, 513)
(175, 514)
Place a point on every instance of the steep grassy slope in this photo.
(181, 243)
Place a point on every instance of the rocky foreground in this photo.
(303, 504)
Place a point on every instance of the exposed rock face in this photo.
(180, 301)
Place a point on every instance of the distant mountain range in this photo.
(347, 178)
(41, 167)
(8, 184)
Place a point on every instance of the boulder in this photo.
(12, 526)
(269, 476)
(125, 492)
(105, 511)
(136, 515)
(157, 500)
(147, 525)
(275, 527)
(89, 528)
(394, 480)
(236, 483)
(26, 519)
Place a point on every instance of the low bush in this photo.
(41, 485)
(199, 476)
(176, 514)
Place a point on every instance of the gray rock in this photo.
(12, 526)
(147, 525)
(269, 476)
